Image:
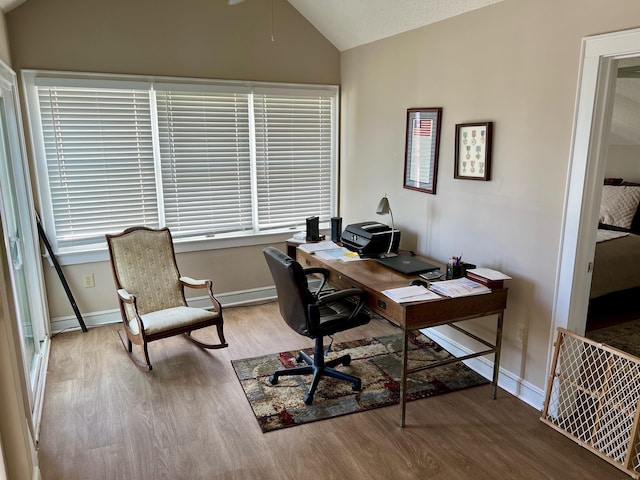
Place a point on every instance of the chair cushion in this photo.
(176, 317)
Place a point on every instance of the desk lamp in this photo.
(383, 209)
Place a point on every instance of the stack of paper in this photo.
(412, 293)
(459, 287)
(490, 274)
(339, 253)
(318, 246)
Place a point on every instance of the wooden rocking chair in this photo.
(151, 292)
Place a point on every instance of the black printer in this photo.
(370, 239)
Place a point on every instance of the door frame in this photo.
(592, 121)
(32, 262)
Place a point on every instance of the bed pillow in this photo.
(619, 205)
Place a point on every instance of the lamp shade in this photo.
(383, 206)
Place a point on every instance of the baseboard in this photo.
(106, 317)
(507, 380)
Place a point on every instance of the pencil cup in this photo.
(455, 271)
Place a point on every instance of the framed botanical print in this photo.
(473, 151)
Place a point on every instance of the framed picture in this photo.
(421, 149)
(473, 151)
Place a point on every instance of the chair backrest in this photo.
(293, 292)
(144, 264)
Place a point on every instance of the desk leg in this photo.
(496, 362)
(403, 377)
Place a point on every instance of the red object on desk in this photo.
(492, 284)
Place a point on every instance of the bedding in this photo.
(619, 207)
(616, 265)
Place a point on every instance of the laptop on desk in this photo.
(407, 264)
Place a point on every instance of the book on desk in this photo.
(488, 277)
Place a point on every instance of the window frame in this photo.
(98, 252)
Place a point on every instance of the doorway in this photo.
(599, 62)
(20, 238)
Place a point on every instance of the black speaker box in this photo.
(313, 229)
(336, 228)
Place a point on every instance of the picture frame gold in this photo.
(473, 151)
(422, 143)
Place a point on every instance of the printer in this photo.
(370, 239)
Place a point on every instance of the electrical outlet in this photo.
(522, 331)
(87, 280)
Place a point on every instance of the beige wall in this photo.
(623, 161)
(189, 38)
(514, 63)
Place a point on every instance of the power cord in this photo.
(328, 349)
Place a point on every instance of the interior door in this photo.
(21, 243)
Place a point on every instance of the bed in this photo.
(616, 263)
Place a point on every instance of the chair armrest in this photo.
(208, 284)
(323, 271)
(191, 283)
(312, 270)
(130, 311)
(344, 294)
(125, 296)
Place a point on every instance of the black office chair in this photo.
(315, 316)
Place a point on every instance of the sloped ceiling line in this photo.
(351, 23)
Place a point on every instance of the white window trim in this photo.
(99, 252)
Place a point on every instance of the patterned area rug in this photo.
(377, 361)
(624, 336)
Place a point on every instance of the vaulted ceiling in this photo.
(350, 23)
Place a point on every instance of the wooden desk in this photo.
(374, 278)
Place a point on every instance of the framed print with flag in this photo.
(421, 149)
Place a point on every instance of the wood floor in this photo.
(189, 419)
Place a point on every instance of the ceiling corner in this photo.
(7, 5)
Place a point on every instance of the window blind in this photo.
(99, 160)
(205, 161)
(203, 157)
(294, 157)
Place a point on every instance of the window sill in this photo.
(100, 254)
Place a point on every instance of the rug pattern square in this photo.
(376, 361)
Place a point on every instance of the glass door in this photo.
(22, 243)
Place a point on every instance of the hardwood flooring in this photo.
(189, 419)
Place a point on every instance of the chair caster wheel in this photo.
(273, 380)
(357, 387)
(299, 358)
(308, 399)
(346, 361)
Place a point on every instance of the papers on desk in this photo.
(318, 246)
(339, 253)
(459, 287)
(412, 293)
(328, 250)
(490, 274)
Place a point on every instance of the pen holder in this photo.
(455, 271)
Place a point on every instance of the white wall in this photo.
(514, 63)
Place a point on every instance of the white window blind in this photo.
(203, 157)
(99, 160)
(206, 169)
(293, 157)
